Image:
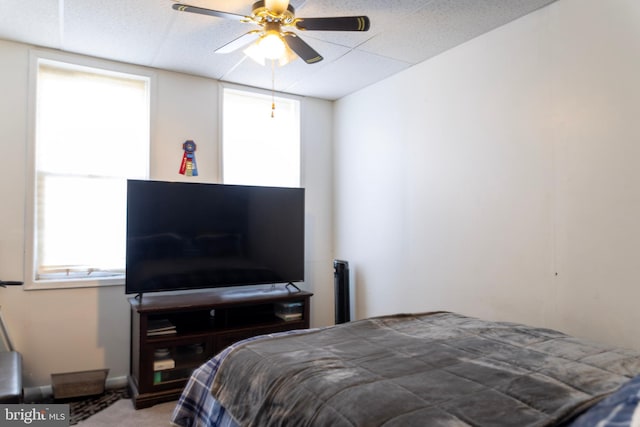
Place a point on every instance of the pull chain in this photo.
(273, 88)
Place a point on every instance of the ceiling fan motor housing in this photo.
(260, 14)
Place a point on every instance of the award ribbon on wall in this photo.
(188, 166)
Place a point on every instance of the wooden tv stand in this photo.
(205, 323)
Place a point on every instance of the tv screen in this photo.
(191, 236)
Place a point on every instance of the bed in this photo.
(428, 369)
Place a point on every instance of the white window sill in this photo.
(73, 283)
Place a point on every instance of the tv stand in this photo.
(171, 335)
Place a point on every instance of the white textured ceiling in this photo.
(151, 33)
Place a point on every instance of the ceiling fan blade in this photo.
(340, 23)
(277, 6)
(239, 42)
(301, 48)
(194, 9)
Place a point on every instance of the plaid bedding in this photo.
(621, 409)
(198, 408)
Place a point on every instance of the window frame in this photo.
(73, 61)
(261, 92)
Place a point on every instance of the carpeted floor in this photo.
(114, 408)
(122, 414)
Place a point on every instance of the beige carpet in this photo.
(122, 414)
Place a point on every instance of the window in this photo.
(258, 149)
(91, 134)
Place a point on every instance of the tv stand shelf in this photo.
(188, 329)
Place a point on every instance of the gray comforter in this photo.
(438, 369)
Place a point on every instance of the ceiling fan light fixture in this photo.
(288, 56)
(272, 45)
(253, 51)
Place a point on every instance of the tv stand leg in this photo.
(291, 284)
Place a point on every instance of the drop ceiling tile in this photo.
(347, 74)
(191, 41)
(30, 21)
(120, 29)
(443, 24)
(250, 73)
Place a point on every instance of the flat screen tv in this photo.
(192, 236)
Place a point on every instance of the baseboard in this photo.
(116, 382)
(40, 393)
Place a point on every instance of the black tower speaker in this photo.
(341, 283)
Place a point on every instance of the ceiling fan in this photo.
(273, 40)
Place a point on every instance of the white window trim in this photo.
(225, 85)
(35, 55)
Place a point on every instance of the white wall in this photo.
(76, 329)
(500, 179)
